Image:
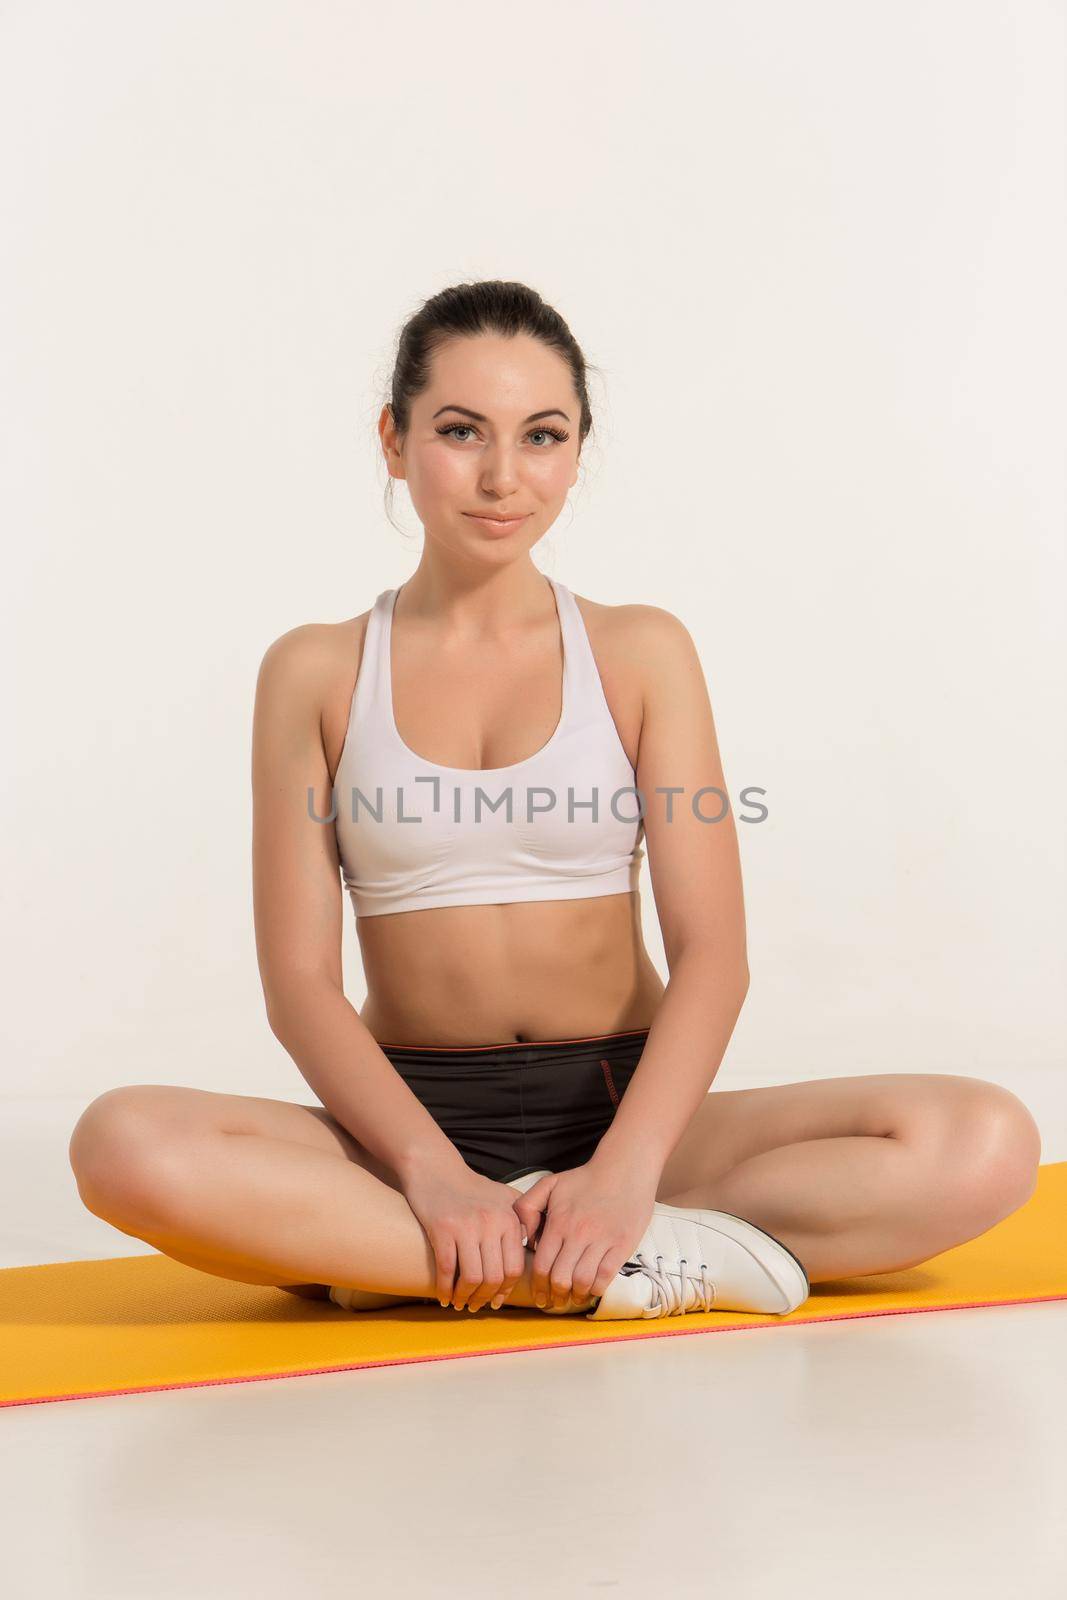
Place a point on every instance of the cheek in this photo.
(552, 475)
(446, 474)
(441, 473)
(546, 468)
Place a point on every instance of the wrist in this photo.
(640, 1163)
(417, 1160)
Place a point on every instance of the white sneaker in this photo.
(695, 1260)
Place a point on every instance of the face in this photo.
(472, 446)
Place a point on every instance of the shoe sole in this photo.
(742, 1235)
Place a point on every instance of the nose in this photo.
(499, 471)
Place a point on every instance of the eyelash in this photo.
(557, 433)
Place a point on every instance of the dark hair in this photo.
(464, 311)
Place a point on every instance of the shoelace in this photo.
(667, 1301)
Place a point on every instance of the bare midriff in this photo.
(521, 972)
(505, 974)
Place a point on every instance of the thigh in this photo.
(731, 1125)
(148, 1114)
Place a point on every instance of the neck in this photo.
(483, 604)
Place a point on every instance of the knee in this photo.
(995, 1150)
(119, 1149)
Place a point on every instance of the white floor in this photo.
(927, 1453)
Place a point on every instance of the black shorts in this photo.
(511, 1109)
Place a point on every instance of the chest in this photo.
(486, 707)
(477, 708)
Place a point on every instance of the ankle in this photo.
(522, 1293)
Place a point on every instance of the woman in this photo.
(519, 1114)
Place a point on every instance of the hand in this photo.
(470, 1224)
(595, 1218)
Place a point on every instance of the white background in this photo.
(815, 252)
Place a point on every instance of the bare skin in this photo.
(418, 969)
(856, 1175)
(488, 974)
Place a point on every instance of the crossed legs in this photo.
(260, 1191)
(856, 1175)
(860, 1175)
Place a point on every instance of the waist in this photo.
(508, 1054)
(516, 973)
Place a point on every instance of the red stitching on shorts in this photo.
(610, 1081)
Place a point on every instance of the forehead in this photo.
(490, 372)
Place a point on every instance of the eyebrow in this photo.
(477, 416)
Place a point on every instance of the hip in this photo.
(516, 1105)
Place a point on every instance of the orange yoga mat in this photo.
(137, 1324)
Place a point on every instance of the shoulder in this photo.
(652, 638)
(313, 650)
(634, 623)
(652, 625)
(312, 668)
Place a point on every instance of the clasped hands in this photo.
(586, 1222)
(591, 1219)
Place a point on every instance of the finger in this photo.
(607, 1270)
(585, 1271)
(563, 1271)
(470, 1271)
(514, 1266)
(543, 1262)
(492, 1272)
(529, 1218)
(539, 1192)
(530, 1206)
(444, 1249)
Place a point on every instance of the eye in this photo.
(558, 434)
(555, 433)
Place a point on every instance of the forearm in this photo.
(686, 1043)
(354, 1078)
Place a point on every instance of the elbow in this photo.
(724, 970)
(276, 1017)
(286, 1002)
(738, 987)
(276, 1014)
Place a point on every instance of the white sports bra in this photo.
(562, 825)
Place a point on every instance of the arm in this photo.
(298, 905)
(696, 880)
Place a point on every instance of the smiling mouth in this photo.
(483, 516)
